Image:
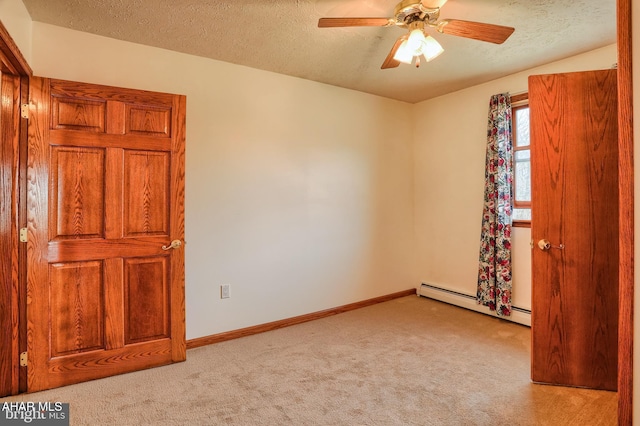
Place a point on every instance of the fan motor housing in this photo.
(408, 11)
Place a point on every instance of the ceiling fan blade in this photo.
(389, 62)
(433, 4)
(353, 22)
(476, 30)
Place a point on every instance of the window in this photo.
(521, 161)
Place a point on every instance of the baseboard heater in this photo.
(519, 315)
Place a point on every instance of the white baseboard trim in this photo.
(518, 315)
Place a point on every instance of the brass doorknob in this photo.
(546, 245)
(174, 245)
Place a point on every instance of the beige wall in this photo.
(449, 156)
(298, 194)
(16, 20)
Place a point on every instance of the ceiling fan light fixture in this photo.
(416, 40)
(416, 15)
(418, 43)
(404, 53)
(431, 49)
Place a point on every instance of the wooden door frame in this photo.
(12, 276)
(12, 61)
(626, 212)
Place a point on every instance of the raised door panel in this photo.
(146, 299)
(77, 192)
(149, 121)
(146, 201)
(78, 114)
(77, 290)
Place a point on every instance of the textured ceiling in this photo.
(282, 36)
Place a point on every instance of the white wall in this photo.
(298, 194)
(449, 157)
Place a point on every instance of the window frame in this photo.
(518, 102)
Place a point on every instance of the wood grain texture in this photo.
(574, 169)
(77, 196)
(146, 301)
(491, 33)
(78, 114)
(76, 290)
(178, 303)
(114, 303)
(77, 250)
(37, 219)
(114, 176)
(13, 153)
(9, 196)
(148, 121)
(97, 364)
(352, 22)
(626, 214)
(74, 138)
(520, 97)
(114, 190)
(389, 61)
(116, 124)
(74, 89)
(146, 200)
(249, 331)
(22, 248)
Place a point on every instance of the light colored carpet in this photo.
(410, 361)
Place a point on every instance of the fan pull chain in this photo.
(417, 61)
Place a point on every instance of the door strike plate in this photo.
(23, 359)
(23, 235)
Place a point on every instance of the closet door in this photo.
(105, 229)
(574, 229)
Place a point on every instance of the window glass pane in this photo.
(522, 129)
(521, 214)
(522, 175)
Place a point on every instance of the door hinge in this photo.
(24, 111)
(23, 359)
(24, 236)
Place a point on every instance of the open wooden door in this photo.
(574, 157)
(105, 201)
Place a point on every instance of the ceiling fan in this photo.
(416, 15)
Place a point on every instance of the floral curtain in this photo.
(494, 271)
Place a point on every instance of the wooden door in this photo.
(105, 194)
(574, 158)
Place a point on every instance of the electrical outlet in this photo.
(224, 291)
